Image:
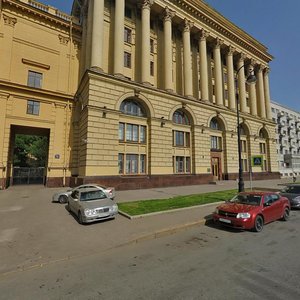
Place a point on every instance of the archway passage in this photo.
(29, 148)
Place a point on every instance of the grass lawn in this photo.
(149, 206)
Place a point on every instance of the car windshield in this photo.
(249, 199)
(92, 195)
(291, 189)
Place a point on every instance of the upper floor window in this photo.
(34, 79)
(127, 59)
(181, 138)
(179, 117)
(33, 107)
(133, 108)
(151, 45)
(215, 143)
(127, 35)
(214, 124)
(128, 12)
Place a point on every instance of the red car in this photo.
(251, 210)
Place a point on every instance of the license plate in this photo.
(225, 221)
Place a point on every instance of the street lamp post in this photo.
(250, 79)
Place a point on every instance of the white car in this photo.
(91, 205)
(62, 197)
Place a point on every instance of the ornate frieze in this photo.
(63, 39)
(10, 21)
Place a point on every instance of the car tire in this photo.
(286, 214)
(258, 224)
(62, 199)
(80, 219)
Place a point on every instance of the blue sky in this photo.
(274, 23)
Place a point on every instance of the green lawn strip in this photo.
(149, 206)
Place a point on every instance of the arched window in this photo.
(262, 134)
(133, 132)
(179, 117)
(133, 108)
(182, 143)
(214, 124)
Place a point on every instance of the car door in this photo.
(277, 206)
(268, 209)
(73, 201)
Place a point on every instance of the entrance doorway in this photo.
(29, 147)
(216, 168)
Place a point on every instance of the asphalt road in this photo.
(204, 262)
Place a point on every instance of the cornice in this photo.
(42, 14)
(213, 19)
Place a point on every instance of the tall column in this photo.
(230, 78)
(261, 94)
(218, 72)
(241, 83)
(87, 21)
(203, 65)
(119, 37)
(267, 94)
(145, 63)
(252, 95)
(97, 33)
(187, 61)
(168, 51)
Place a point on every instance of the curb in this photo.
(167, 211)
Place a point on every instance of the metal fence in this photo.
(24, 175)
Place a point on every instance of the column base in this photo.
(147, 83)
(119, 75)
(97, 69)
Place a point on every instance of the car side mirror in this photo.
(267, 204)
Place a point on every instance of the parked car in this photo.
(91, 204)
(292, 192)
(62, 197)
(251, 210)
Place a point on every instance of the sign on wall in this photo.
(257, 161)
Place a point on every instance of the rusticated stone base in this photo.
(134, 182)
(255, 176)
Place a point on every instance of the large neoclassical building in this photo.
(134, 93)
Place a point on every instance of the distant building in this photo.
(288, 139)
(133, 93)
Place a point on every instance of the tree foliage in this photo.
(30, 150)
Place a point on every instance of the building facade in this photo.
(143, 93)
(288, 139)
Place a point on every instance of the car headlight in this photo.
(114, 208)
(297, 199)
(90, 212)
(243, 216)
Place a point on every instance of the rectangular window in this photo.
(34, 79)
(143, 164)
(127, 35)
(121, 163)
(264, 167)
(132, 163)
(121, 131)
(128, 12)
(181, 139)
(244, 146)
(226, 94)
(132, 133)
(245, 165)
(182, 164)
(262, 147)
(33, 107)
(151, 68)
(151, 46)
(215, 143)
(142, 134)
(127, 60)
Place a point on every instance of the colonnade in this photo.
(259, 94)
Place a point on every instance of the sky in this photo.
(275, 24)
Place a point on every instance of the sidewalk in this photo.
(35, 232)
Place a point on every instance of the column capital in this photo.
(168, 14)
(260, 68)
(187, 25)
(203, 34)
(145, 4)
(242, 56)
(253, 62)
(217, 43)
(230, 50)
(266, 70)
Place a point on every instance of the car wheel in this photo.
(80, 219)
(258, 224)
(286, 214)
(62, 199)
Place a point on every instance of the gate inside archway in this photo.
(29, 147)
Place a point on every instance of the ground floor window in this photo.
(245, 165)
(182, 164)
(132, 163)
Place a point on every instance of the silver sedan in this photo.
(91, 205)
(62, 197)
